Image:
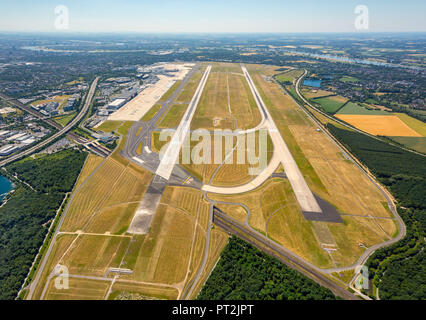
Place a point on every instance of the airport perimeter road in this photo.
(269, 247)
(61, 132)
(44, 258)
(402, 228)
(172, 153)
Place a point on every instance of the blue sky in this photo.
(213, 15)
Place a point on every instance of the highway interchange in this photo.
(61, 130)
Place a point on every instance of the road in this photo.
(43, 262)
(402, 228)
(271, 248)
(297, 87)
(62, 130)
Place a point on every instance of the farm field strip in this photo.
(379, 125)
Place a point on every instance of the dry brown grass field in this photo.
(92, 162)
(234, 211)
(79, 289)
(179, 226)
(313, 93)
(188, 91)
(113, 185)
(212, 111)
(330, 176)
(146, 291)
(276, 214)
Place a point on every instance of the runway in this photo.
(172, 153)
(282, 154)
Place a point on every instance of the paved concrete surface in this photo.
(172, 153)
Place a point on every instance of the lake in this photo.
(312, 83)
(5, 187)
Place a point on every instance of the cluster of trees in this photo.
(399, 271)
(26, 216)
(52, 173)
(246, 273)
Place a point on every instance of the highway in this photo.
(62, 130)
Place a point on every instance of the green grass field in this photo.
(415, 143)
(354, 108)
(64, 120)
(331, 104)
(413, 123)
(173, 116)
(151, 113)
(170, 92)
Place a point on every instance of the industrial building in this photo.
(116, 104)
(9, 149)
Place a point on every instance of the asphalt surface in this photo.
(141, 132)
(282, 154)
(62, 130)
(271, 248)
(170, 157)
(402, 228)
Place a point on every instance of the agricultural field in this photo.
(415, 143)
(386, 125)
(356, 109)
(331, 104)
(416, 125)
(314, 93)
(289, 76)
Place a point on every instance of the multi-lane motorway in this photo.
(62, 130)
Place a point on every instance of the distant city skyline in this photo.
(189, 16)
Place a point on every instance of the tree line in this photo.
(26, 216)
(399, 271)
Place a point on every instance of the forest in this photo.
(26, 215)
(399, 271)
(245, 273)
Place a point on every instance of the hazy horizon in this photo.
(219, 16)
